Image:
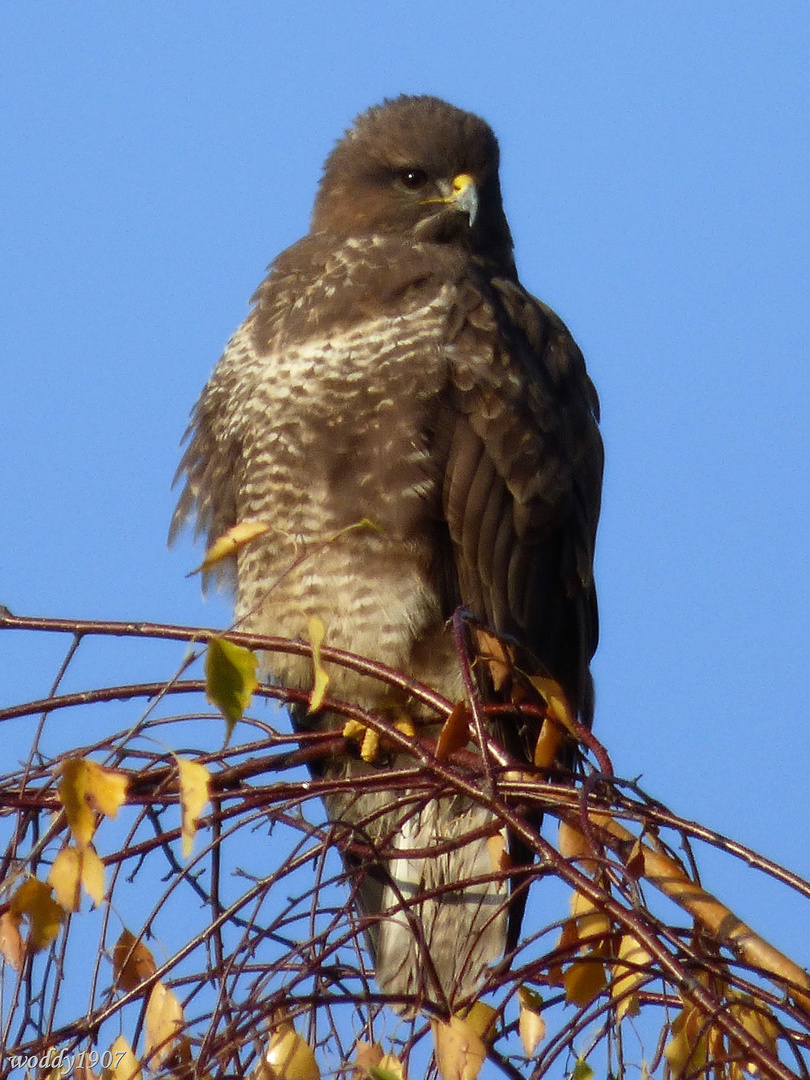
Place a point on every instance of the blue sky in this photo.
(156, 157)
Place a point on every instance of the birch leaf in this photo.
(230, 679)
(460, 1051)
(455, 733)
(556, 701)
(289, 1056)
(125, 1064)
(584, 980)
(195, 782)
(629, 976)
(133, 962)
(317, 633)
(12, 948)
(531, 1025)
(227, 545)
(65, 876)
(582, 1070)
(548, 744)
(34, 902)
(86, 788)
(163, 1022)
(389, 1068)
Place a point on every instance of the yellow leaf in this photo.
(11, 943)
(230, 679)
(237, 537)
(317, 633)
(573, 845)
(106, 789)
(133, 963)
(389, 1068)
(455, 733)
(591, 922)
(680, 1049)
(289, 1056)
(72, 792)
(195, 782)
(73, 867)
(460, 1051)
(584, 980)
(500, 859)
(482, 1018)
(34, 902)
(696, 1043)
(125, 1065)
(531, 1025)
(556, 701)
(758, 1021)
(93, 875)
(163, 1022)
(629, 976)
(66, 876)
(86, 788)
(497, 656)
(548, 744)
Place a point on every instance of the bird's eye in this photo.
(413, 179)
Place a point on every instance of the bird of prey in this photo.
(394, 369)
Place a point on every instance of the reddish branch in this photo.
(268, 909)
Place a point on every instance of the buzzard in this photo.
(393, 368)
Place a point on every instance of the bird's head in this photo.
(417, 167)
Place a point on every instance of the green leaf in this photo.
(376, 1073)
(230, 679)
(582, 1070)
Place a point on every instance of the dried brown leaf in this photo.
(367, 1055)
(12, 948)
(501, 860)
(133, 962)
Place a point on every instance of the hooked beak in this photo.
(460, 194)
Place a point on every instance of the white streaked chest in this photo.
(335, 427)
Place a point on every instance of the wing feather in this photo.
(522, 479)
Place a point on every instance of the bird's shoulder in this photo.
(518, 379)
(325, 284)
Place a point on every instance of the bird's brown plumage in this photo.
(394, 368)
